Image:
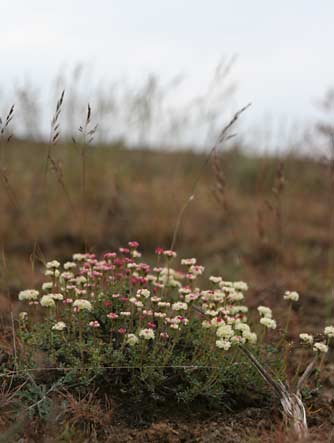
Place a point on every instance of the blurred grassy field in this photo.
(263, 219)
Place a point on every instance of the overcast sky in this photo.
(284, 48)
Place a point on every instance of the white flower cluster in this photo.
(60, 326)
(320, 347)
(52, 264)
(132, 339)
(47, 301)
(143, 293)
(266, 317)
(165, 303)
(306, 338)
(47, 285)
(79, 257)
(23, 315)
(225, 315)
(264, 311)
(147, 334)
(82, 304)
(291, 295)
(28, 295)
(268, 322)
(188, 261)
(329, 331)
(179, 306)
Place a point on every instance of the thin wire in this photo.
(10, 373)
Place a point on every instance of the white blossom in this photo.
(132, 339)
(265, 311)
(147, 334)
(250, 337)
(69, 265)
(23, 315)
(225, 331)
(306, 338)
(291, 295)
(28, 294)
(215, 279)
(329, 331)
(223, 344)
(179, 306)
(143, 292)
(188, 261)
(82, 304)
(47, 285)
(320, 347)
(52, 264)
(60, 326)
(78, 257)
(268, 322)
(47, 301)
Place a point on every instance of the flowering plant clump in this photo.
(119, 320)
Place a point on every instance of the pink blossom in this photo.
(94, 324)
(147, 312)
(169, 253)
(164, 335)
(68, 301)
(112, 315)
(144, 267)
(108, 255)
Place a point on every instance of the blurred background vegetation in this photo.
(262, 215)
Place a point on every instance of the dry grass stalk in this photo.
(276, 207)
(278, 191)
(5, 137)
(56, 166)
(223, 136)
(220, 182)
(293, 408)
(54, 131)
(292, 403)
(87, 412)
(4, 125)
(55, 125)
(87, 132)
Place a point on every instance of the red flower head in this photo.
(133, 244)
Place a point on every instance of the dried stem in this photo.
(223, 136)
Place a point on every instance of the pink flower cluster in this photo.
(119, 294)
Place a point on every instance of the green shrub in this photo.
(143, 333)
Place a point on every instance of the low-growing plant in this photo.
(149, 332)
